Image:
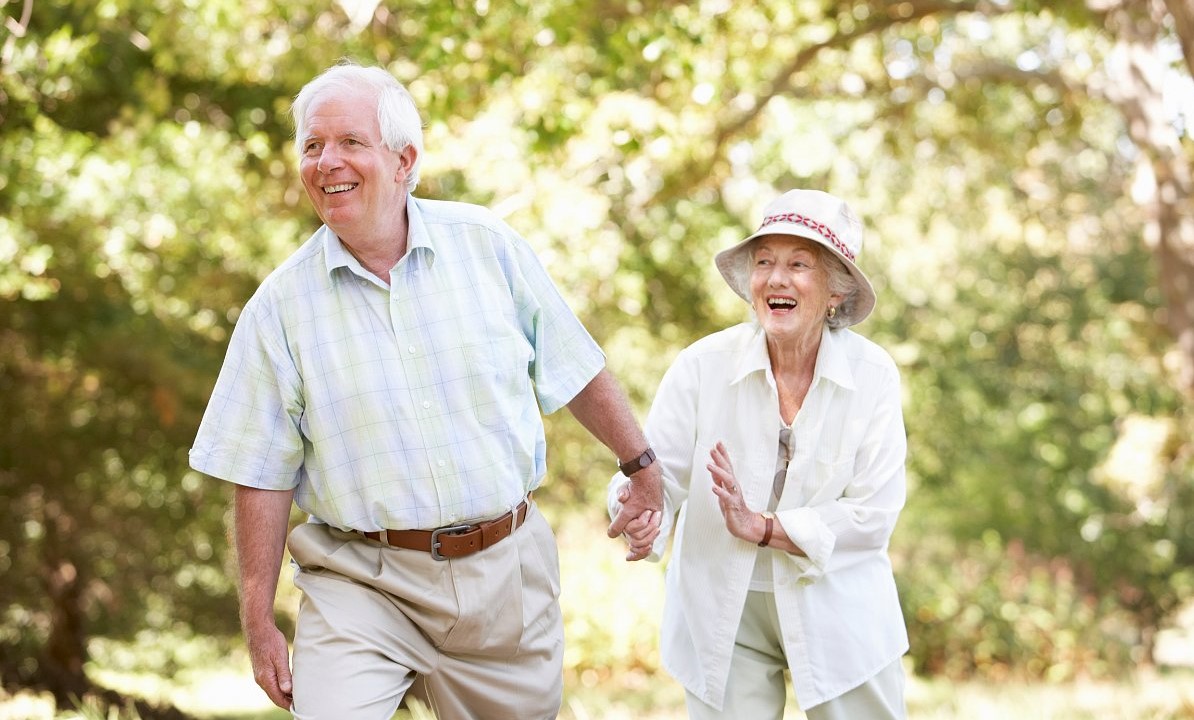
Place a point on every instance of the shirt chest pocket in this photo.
(831, 467)
(828, 478)
(496, 379)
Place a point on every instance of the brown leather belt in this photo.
(454, 541)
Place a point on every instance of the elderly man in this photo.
(388, 378)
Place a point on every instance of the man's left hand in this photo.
(645, 494)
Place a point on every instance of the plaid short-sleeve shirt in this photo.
(410, 406)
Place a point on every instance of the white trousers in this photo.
(756, 688)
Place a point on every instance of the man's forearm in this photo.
(604, 411)
(262, 517)
(601, 407)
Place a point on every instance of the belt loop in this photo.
(514, 517)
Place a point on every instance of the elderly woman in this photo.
(782, 446)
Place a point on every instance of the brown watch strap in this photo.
(642, 460)
(767, 531)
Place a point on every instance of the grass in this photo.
(229, 694)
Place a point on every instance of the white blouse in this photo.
(839, 613)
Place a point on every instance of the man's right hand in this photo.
(271, 664)
(261, 518)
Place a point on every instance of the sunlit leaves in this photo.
(146, 185)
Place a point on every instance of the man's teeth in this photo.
(332, 189)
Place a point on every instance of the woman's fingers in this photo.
(644, 528)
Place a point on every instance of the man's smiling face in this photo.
(355, 182)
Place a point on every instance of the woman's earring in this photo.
(832, 312)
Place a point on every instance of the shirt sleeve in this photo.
(250, 430)
(672, 433)
(860, 522)
(566, 358)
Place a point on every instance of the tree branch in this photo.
(892, 13)
(1183, 22)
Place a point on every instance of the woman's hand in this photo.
(640, 532)
(741, 521)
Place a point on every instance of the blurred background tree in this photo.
(1023, 169)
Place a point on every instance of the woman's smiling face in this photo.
(789, 287)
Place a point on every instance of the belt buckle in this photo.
(449, 530)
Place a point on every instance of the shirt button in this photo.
(426, 404)
(442, 463)
(411, 349)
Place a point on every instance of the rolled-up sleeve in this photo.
(860, 522)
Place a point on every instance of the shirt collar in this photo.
(832, 363)
(417, 237)
(418, 241)
(752, 357)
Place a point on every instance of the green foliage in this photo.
(147, 185)
(987, 607)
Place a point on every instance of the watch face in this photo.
(630, 467)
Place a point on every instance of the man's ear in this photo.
(406, 163)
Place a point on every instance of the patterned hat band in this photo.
(811, 224)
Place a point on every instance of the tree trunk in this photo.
(1135, 82)
(66, 648)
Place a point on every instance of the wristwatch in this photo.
(769, 521)
(633, 465)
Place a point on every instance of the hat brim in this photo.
(734, 265)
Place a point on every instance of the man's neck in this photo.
(379, 253)
(378, 256)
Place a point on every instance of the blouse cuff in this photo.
(806, 530)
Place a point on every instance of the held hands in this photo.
(641, 496)
(640, 532)
(271, 663)
(741, 521)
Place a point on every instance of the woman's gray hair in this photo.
(397, 115)
(841, 282)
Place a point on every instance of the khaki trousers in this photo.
(757, 690)
(482, 635)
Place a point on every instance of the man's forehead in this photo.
(342, 100)
(342, 115)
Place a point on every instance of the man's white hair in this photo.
(397, 115)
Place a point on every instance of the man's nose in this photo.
(329, 159)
